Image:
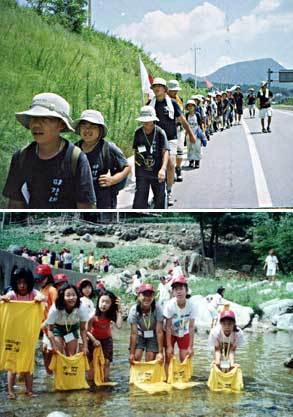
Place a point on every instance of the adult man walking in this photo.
(173, 89)
(265, 97)
(168, 112)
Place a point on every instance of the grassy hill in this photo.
(92, 70)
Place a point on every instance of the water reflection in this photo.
(268, 387)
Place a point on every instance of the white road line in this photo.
(263, 194)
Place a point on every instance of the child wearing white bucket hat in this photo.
(49, 173)
(151, 151)
(108, 164)
(194, 149)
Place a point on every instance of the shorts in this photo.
(173, 147)
(149, 344)
(213, 313)
(239, 110)
(251, 106)
(107, 348)
(61, 331)
(180, 142)
(182, 342)
(265, 112)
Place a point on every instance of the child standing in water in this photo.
(86, 290)
(22, 284)
(66, 318)
(146, 320)
(225, 338)
(43, 276)
(108, 164)
(180, 315)
(108, 311)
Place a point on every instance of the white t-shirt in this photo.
(177, 271)
(164, 292)
(62, 318)
(217, 336)
(216, 300)
(67, 257)
(271, 262)
(180, 316)
(87, 302)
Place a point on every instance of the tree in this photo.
(71, 14)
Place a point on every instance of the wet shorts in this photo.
(61, 331)
(107, 348)
(182, 342)
(148, 344)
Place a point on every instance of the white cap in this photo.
(92, 116)
(263, 83)
(173, 85)
(147, 114)
(190, 102)
(47, 105)
(159, 81)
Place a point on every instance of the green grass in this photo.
(119, 256)
(91, 70)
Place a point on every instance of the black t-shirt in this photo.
(251, 99)
(219, 108)
(232, 101)
(264, 102)
(167, 124)
(49, 184)
(149, 152)
(238, 99)
(116, 163)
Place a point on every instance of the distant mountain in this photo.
(245, 72)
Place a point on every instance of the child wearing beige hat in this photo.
(108, 164)
(49, 173)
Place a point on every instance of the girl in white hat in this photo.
(108, 164)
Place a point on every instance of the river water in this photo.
(268, 387)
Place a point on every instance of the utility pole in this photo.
(195, 65)
(89, 13)
(269, 77)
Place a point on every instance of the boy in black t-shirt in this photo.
(49, 173)
(265, 96)
(108, 164)
(151, 158)
(238, 96)
(169, 113)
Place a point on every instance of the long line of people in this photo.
(73, 327)
(91, 173)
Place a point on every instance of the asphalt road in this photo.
(241, 168)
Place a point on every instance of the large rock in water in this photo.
(289, 362)
(203, 318)
(276, 307)
(285, 322)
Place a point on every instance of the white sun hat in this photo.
(147, 114)
(159, 81)
(92, 116)
(173, 85)
(263, 83)
(190, 102)
(47, 105)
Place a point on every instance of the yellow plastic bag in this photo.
(149, 376)
(98, 364)
(69, 371)
(20, 323)
(179, 374)
(231, 381)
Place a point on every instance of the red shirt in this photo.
(101, 328)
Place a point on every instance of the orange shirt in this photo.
(50, 293)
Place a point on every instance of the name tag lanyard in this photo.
(153, 140)
(147, 323)
(226, 355)
(181, 322)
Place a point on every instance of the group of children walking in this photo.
(73, 323)
(52, 173)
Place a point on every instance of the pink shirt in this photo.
(28, 297)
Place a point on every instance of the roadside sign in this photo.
(286, 76)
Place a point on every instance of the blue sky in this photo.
(227, 31)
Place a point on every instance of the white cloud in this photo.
(266, 6)
(169, 37)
